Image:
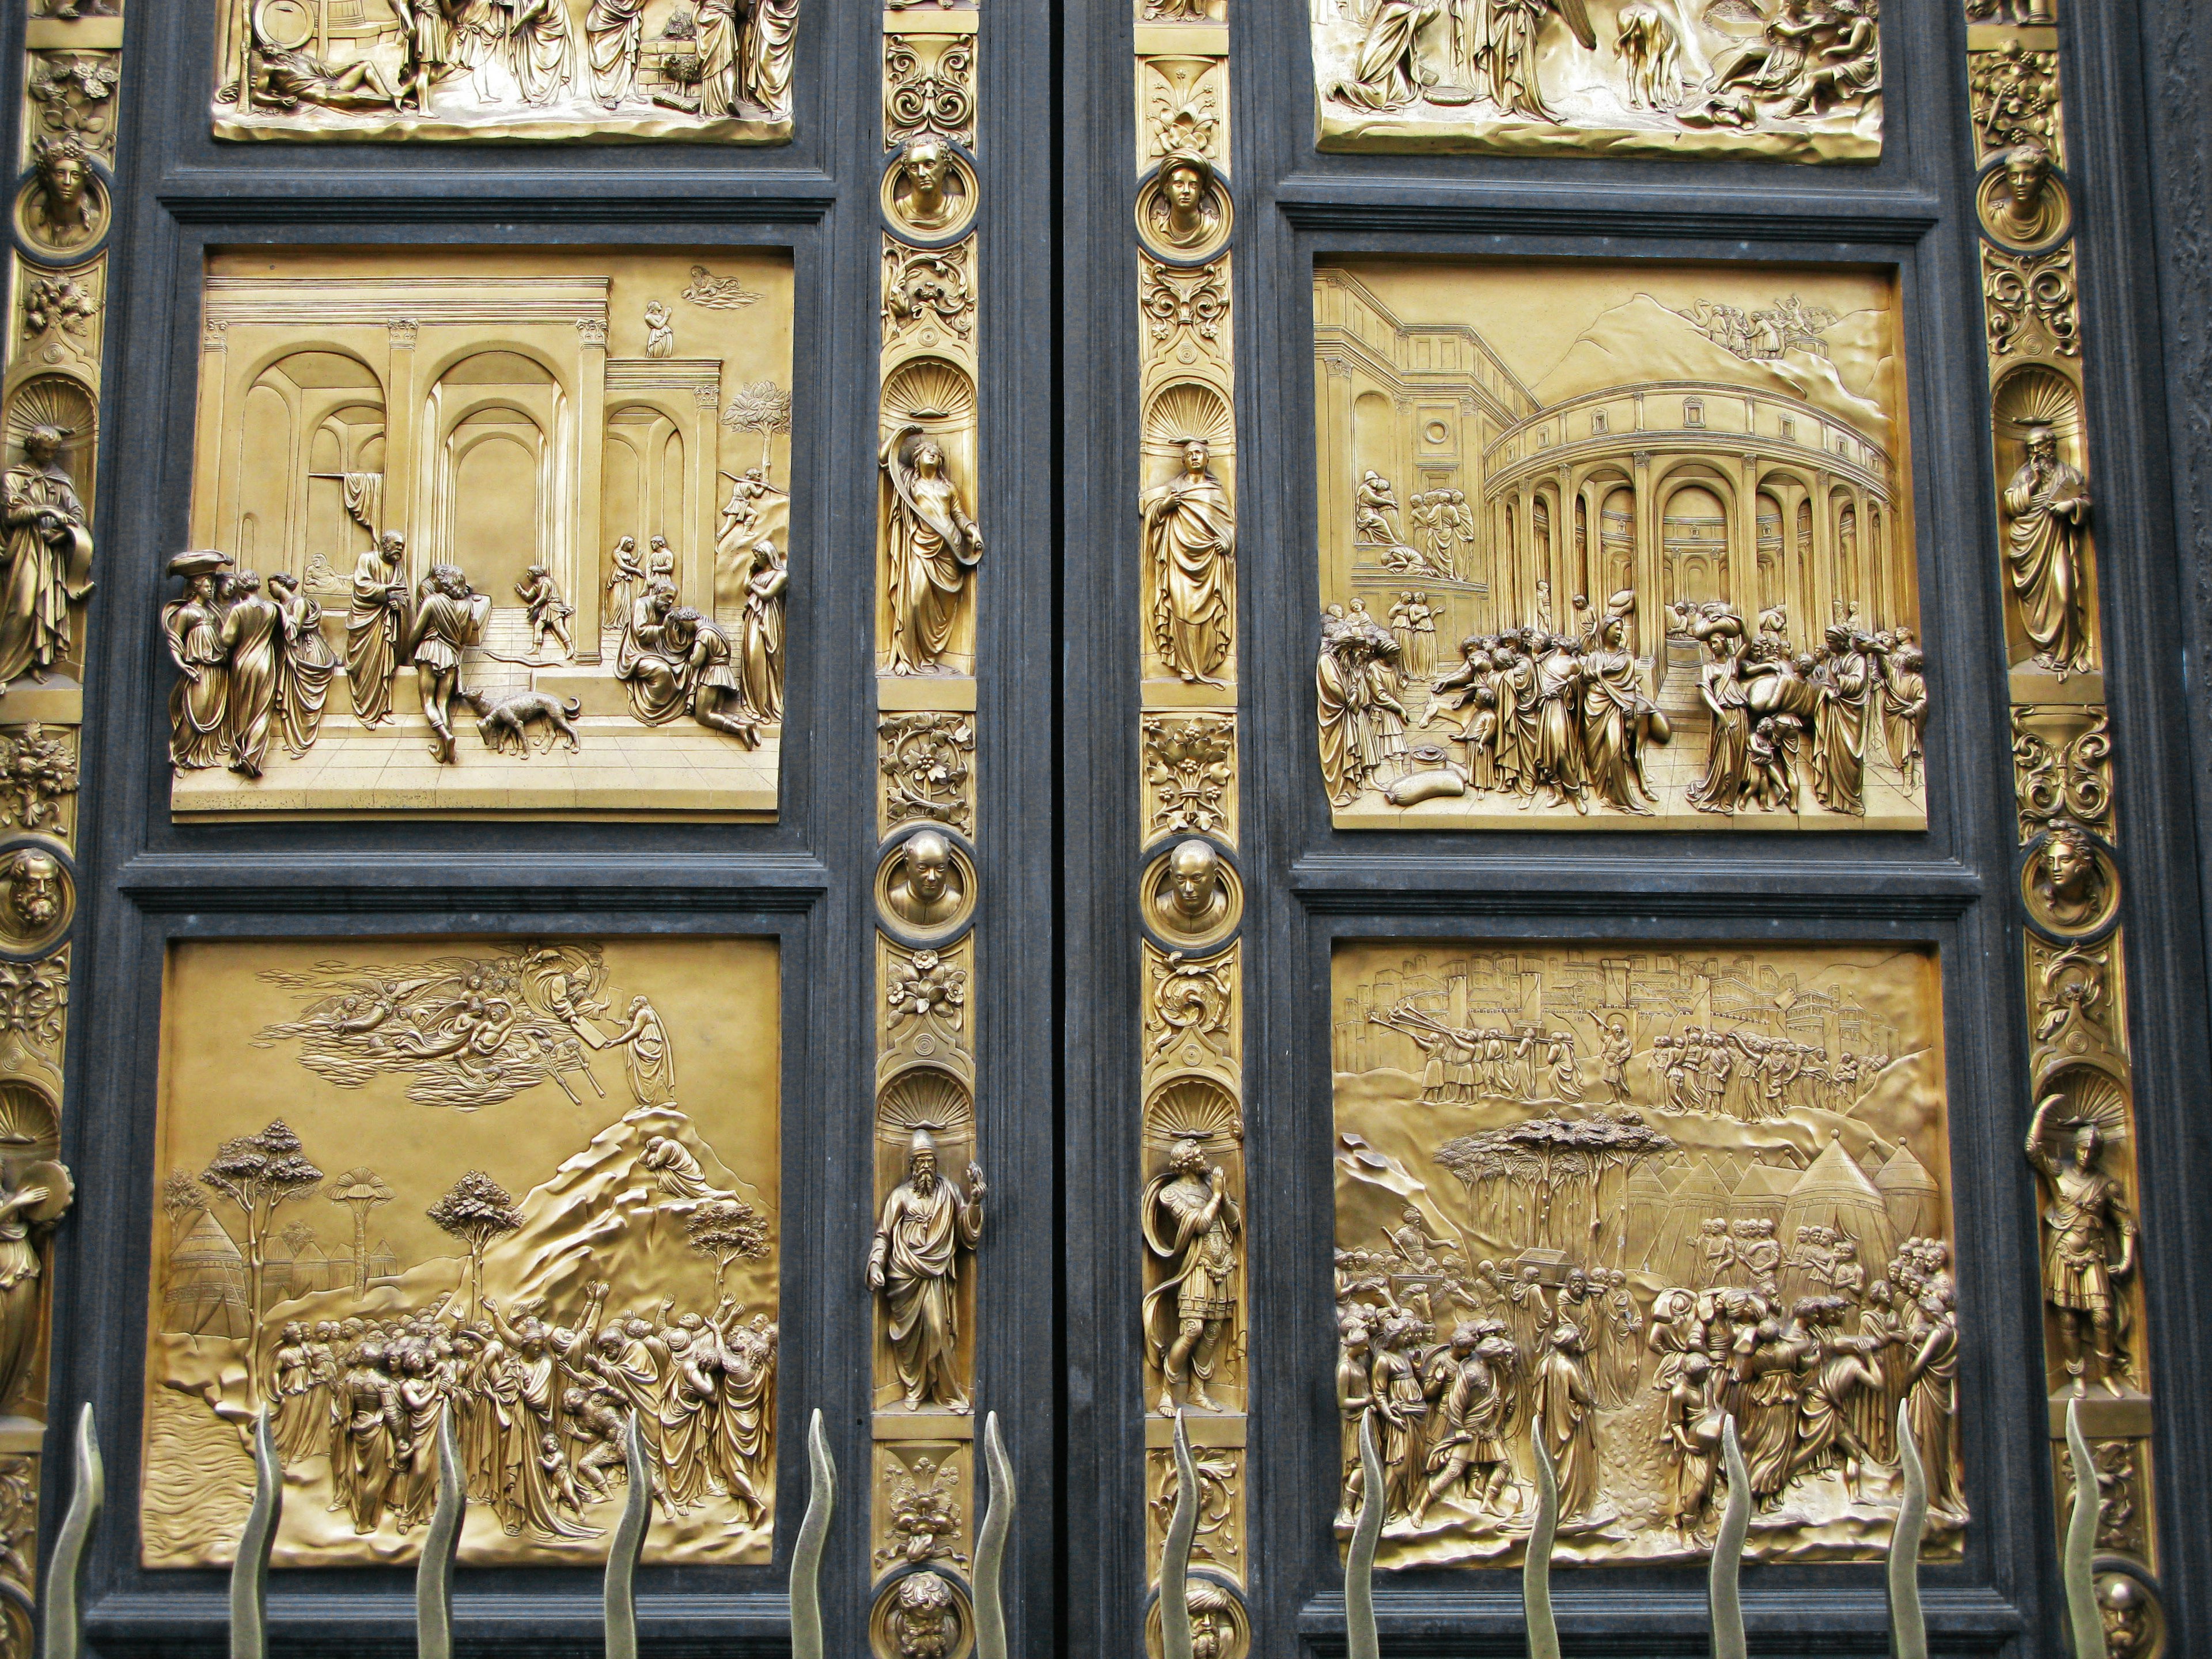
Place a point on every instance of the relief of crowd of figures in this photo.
(443, 567)
(1732, 1201)
(1797, 80)
(601, 1259)
(507, 69)
(1661, 570)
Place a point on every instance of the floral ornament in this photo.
(926, 985)
(35, 770)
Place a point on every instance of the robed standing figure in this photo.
(375, 620)
(1190, 547)
(932, 546)
(926, 1222)
(2048, 503)
(49, 553)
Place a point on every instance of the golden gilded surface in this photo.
(1615, 548)
(1800, 81)
(1605, 1195)
(535, 1181)
(544, 69)
(597, 443)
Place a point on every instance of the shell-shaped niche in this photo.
(1193, 1107)
(931, 393)
(2038, 395)
(1186, 410)
(924, 1098)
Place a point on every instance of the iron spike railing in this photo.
(1908, 1630)
(628, 1545)
(2085, 1621)
(64, 1619)
(1361, 1639)
(991, 1547)
(1724, 1593)
(434, 1574)
(1174, 1552)
(1536, 1565)
(807, 1554)
(249, 1568)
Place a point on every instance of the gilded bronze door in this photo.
(838, 829)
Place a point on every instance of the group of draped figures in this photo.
(1785, 720)
(1556, 720)
(726, 58)
(1811, 57)
(1809, 1357)
(676, 660)
(539, 1409)
(253, 666)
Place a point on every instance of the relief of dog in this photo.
(510, 718)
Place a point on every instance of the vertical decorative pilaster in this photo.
(64, 211)
(2080, 1132)
(923, 1507)
(1190, 901)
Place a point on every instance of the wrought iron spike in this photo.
(2083, 1621)
(621, 1595)
(64, 1618)
(249, 1573)
(1174, 1552)
(1536, 1565)
(1362, 1640)
(807, 1554)
(1908, 1630)
(434, 1575)
(991, 1546)
(1725, 1596)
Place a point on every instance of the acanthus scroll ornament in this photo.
(2030, 303)
(928, 288)
(928, 93)
(1191, 1003)
(2066, 774)
(1186, 311)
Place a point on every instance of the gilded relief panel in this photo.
(715, 70)
(534, 1183)
(1604, 1197)
(501, 533)
(1615, 549)
(1796, 81)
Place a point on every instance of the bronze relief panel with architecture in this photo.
(534, 1183)
(1615, 548)
(498, 533)
(1793, 80)
(1607, 1197)
(701, 69)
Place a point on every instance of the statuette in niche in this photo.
(1190, 544)
(2089, 1239)
(926, 1223)
(35, 1193)
(2047, 501)
(1193, 1226)
(2023, 203)
(933, 545)
(49, 558)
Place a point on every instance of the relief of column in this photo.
(931, 1195)
(64, 208)
(2079, 1124)
(1193, 1215)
